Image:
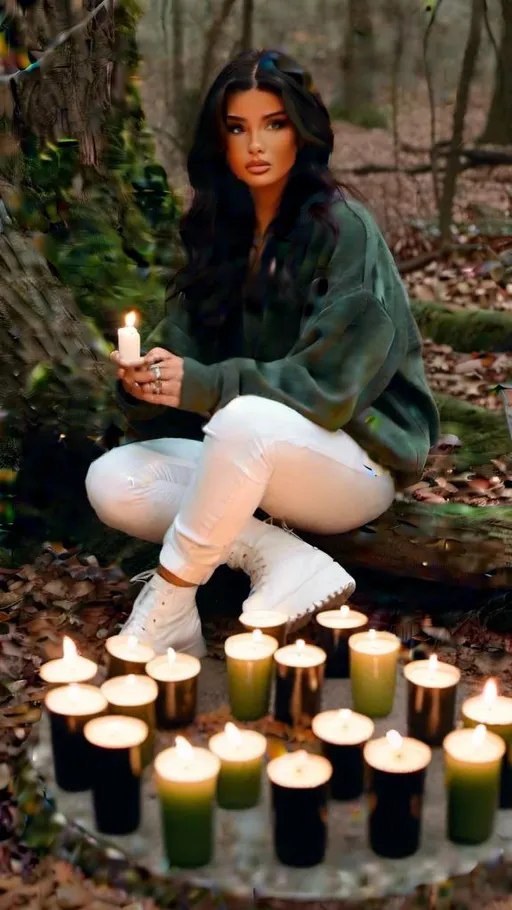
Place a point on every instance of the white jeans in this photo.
(197, 497)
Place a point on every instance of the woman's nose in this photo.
(255, 143)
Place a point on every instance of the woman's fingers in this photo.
(156, 355)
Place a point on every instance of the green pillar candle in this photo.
(126, 654)
(495, 711)
(249, 665)
(134, 696)
(186, 780)
(373, 661)
(70, 668)
(472, 771)
(241, 756)
(270, 622)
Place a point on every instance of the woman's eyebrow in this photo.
(265, 116)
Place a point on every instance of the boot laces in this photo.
(147, 575)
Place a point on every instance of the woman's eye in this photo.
(234, 128)
(277, 124)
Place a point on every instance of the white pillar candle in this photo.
(127, 655)
(495, 711)
(299, 681)
(128, 342)
(70, 668)
(343, 735)
(271, 622)
(431, 692)
(299, 784)
(176, 675)
(241, 756)
(373, 661)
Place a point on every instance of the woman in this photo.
(289, 346)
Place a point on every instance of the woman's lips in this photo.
(258, 168)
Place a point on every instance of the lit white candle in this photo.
(173, 666)
(176, 675)
(333, 630)
(241, 755)
(129, 691)
(397, 754)
(473, 759)
(128, 340)
(431, 693)
(186, 779)
(343, 734)
(249, 666)
(300, 672)
(271, 622)
(299, 784)
(495, 711)
(70, 708)
(127, 655)
(373, 662)
(343, 727)
(70, 668)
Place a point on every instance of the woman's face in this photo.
(261, 143)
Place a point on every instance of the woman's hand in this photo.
(160, 385)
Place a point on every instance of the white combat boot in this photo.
(165, 616)
(287, 574)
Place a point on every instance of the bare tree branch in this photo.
(212, 38)
(432, 100)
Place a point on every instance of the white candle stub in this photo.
(116, 732)
(343, 727)
(186, 764)
(173, 667)
(374, 642)
(300, 655)
(237, 745)
(130, 691)
(129, 648)
(250, 646)
(431, 674)
(397, 754)
(344, 618)
(263, 619)
(474, 745)
(75, 700)
(489, 707)
(299, 770)
(70, 668)
(128, 340)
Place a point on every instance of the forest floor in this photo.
(69, 593)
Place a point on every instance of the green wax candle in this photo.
(495, 711)
(249, 665)
(241, 756)
(126, 654)
(186, 780)
(134, 696)
(373, 661)
(472, 772)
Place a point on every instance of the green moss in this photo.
(484, 434)
(464, 330)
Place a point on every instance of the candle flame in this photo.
(171, 656)
(479, 735)
(301, 757)
(300, 644)
(69, 651)
(184, 749)
(433, 664)
(372, 634)
(345, 715)
(490, 692)
(233, 734)
(394, 740)
(344, 611)
(129, 319)
(257, 635)
(132, 641)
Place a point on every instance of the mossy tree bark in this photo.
(464, 330)
(498, 129)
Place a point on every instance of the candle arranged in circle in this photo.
(176, 676)
(70, 668)
(373, 662)
(299, 681)
(128, 340)
(299, 785)
(186, 780)
(473, 760)
(431, 693)
(249, 668)
(126, 654)
(396, 780)
(270, 622)
(343, 735)
(495, 711)
(333, 630)
(116, 765)
(69, 709)
(134, 696)
(241, 760)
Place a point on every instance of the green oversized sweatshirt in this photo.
(349, 358)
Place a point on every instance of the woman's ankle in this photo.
(173, 579)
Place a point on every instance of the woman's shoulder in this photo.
(353, 216)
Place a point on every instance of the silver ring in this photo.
(156, 370)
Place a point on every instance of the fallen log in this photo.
(464, 330)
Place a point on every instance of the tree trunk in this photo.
(247, 25)
(358, 62)
(459, 117)
(178, 55)
(498, 129)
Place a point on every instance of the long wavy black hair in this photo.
(218, 230)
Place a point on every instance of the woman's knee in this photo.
(249, 417)
(108, 487)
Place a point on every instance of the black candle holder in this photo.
(116, 773)
(431, 708)
(71, 751)
(123, 666)
(299, 819)
(333, 639)
(176, 701)
(298, 689)
(343, 747)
